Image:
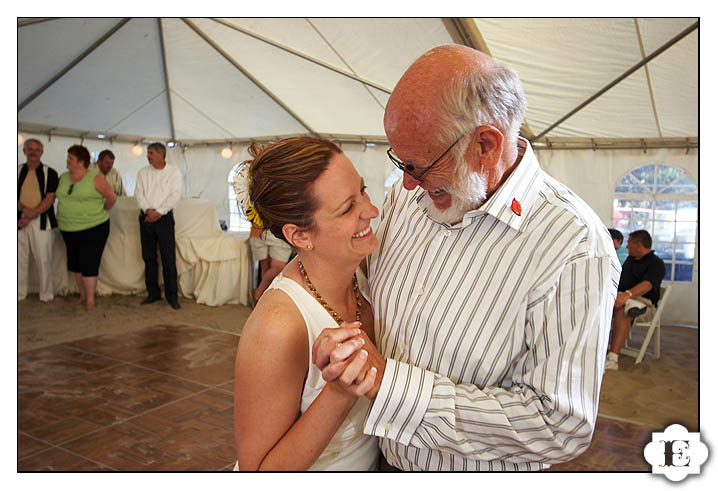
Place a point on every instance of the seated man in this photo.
(638, 290)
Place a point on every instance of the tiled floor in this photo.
(161, 399)
(155, 399)
(616, 446)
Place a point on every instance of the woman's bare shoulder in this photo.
(275, 321)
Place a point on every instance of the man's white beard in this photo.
(468, 193)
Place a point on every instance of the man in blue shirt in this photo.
(621, 251)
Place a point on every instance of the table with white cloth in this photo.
(213, 266)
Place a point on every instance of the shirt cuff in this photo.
(402, 400)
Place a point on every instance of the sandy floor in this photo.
(42, 325)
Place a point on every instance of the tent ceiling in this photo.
(211, 80)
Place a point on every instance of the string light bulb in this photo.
(20, 139)
(227, 152)
(137, 149)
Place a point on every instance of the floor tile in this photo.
(57, 459)
(123, 447)
(62, 361)
(161, 398)
(227, 387)
(27, 446)
(192, 434)
(41, 420)
(208, 359)
(136, 345)
(66, 408)
(616, 446)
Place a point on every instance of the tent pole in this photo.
(339, 55)
(29, 22)
(628, 72)
(468, 33)
(72, 64)
(167, 78)
(465, 31)
(303, 55)
(247, 74)
(648, 79)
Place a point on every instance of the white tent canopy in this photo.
(200, 80)
(604, 95)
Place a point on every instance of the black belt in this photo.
(384, 466)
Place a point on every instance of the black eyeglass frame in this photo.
(71, 188)
(405, 168)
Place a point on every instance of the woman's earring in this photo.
(309, 247)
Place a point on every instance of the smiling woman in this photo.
(307, 193)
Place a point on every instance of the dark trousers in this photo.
(162, 233)
(84, 248)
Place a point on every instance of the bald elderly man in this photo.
(492, 286)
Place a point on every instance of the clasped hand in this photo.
(346, 356)
(152, 215)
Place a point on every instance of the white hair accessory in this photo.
(241, 182)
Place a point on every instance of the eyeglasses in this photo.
(409, 168)
(69, 191)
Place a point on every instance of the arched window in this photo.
(395, 175)
(237, 222)
(663, 200)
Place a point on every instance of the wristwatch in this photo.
(629, 293)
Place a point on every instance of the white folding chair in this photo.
(654, 331)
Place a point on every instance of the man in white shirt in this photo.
(104, 165)
(158, 190)
(492, 287)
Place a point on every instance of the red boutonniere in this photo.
(516, 207)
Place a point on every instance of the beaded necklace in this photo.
(324, 303)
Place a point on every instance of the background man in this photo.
(638, 290)
(104, 165)
(492, 286)
(158, 190)
(36, 186)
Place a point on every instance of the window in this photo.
(394, 176)
(663, 200)
(237, 222)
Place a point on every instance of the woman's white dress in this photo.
(350, 449)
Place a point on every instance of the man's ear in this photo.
(296, 236)
(485, 148)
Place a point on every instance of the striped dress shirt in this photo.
(113, 178)
(494, 330)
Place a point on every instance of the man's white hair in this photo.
(474, 98)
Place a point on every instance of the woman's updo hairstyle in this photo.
(282, 175)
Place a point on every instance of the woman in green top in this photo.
(84, 200)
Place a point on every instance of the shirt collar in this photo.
(513, 201)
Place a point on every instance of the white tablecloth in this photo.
(212, 266)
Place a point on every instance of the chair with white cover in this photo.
(654, 331)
